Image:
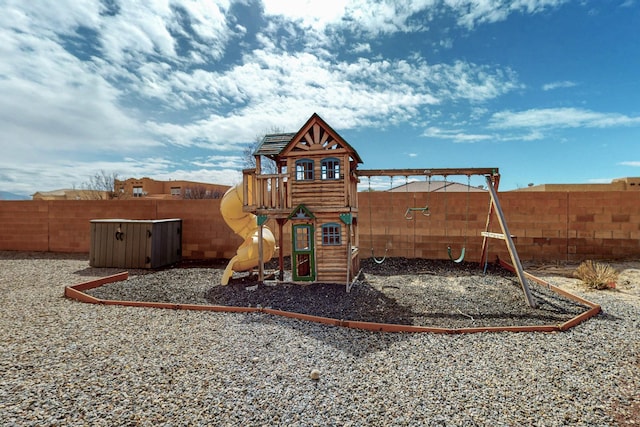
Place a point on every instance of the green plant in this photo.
(596, 275)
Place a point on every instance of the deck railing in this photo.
(265, 191)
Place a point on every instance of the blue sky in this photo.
(546, 90)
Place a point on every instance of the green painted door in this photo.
(303, 266)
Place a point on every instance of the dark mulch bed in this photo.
(403, 291)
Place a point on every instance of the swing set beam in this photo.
(493, 172)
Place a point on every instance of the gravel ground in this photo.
(67, 363)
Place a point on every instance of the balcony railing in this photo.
(265, 191)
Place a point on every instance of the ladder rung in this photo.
(494, 235)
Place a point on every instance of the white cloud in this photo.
(455, 135)
(229, 162)
(315, 14)
(560, 118)
(361, 16)
(54, 102)
(635, 164)
(140, 57)
(361, 48)
(79, 80)
(50, 16)
(218, 176)
(57, 173)
(558, 85)
(373, 17)
(150, 28)
(348, 94)
(473, 12)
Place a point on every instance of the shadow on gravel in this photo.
(363, 303)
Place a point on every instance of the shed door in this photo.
(303, 267)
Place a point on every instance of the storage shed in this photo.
(124, 243)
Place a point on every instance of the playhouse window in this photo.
(331, 234)
(330, 168)
(302, 240)
(304, 169)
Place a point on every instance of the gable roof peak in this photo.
(316, 134)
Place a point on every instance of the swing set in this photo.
(492, 177)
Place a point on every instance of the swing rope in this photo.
(386, 249)
(462, 252)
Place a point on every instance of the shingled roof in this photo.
(272, 144)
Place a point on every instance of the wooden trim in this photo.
(370, 326)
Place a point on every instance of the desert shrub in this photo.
(596, 275)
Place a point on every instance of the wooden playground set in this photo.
(315, 193)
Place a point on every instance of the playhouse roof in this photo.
(273, 143)
(276, 144)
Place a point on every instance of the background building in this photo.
(150, 188)
(618, 184)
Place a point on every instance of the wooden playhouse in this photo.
(314, 192)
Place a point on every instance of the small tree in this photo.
(101, 186)
(201, 192)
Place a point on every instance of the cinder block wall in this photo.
(548, 226)
(64, 226)
(24, 226)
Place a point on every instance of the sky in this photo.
(548, 91)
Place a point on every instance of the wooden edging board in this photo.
(76, 292)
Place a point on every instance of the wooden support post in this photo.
(484, 254)
(260, 256)
(348, 219)
(280, 222)
(348, 256)
(261, 219)
(511, 247)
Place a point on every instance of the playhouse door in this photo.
(303, 263)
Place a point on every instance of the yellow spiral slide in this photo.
(245, 225)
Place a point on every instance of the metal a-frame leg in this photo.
(511, 247)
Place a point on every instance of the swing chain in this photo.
(462, 252)
(386, 249)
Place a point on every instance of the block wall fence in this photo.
(547, 226)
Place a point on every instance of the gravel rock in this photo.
(67, 363)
